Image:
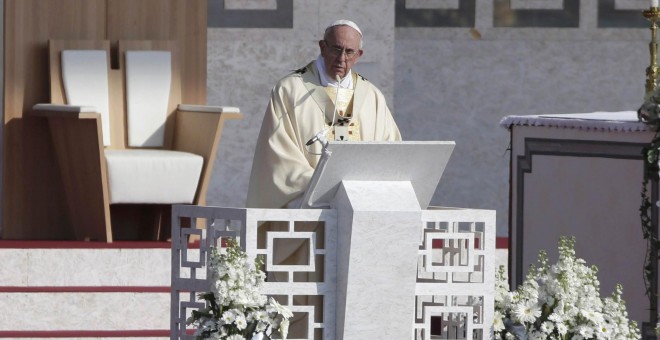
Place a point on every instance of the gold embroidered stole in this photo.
(344, 124)
(325, 98)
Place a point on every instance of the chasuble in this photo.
(299, 108)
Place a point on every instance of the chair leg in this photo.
(164, 225)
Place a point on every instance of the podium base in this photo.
(378, 237)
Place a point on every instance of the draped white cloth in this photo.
(623, 121)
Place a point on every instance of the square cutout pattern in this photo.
(456, 255)
(290, 243)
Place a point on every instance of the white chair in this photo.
(127, 149)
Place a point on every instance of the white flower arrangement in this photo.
(560, 302)
(235, 308)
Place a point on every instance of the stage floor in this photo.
(72, 289)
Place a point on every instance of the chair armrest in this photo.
(229, 112)
(64, 111)
(198, 130)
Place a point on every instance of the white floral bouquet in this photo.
(560, 302)
(235, 308)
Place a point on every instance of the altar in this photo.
(581, 175)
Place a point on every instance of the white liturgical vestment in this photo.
(299, 108)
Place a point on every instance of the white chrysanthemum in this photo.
(498, 321)
(593, 315)
(527, 312)
(228, 317)
(547, 327)
(241, 323)
(604, 331)
(261, 315)
(585, 331)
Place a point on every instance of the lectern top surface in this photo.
(419, 162)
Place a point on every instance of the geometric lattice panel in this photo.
(220, 15)
(612, 15)
(454, 292)
(455, 275)
(298, 248)
(410, 15)
(194, 231)
(516, 14)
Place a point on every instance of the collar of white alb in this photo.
(344, 83)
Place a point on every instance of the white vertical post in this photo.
(378, 241)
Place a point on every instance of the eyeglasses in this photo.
(337, 51)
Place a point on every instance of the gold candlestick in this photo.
(653, 15)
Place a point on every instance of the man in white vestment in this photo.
(301, 106)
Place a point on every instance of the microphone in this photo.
(320, 137)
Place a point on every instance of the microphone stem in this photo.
(334, 114)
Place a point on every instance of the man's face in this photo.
(340, 50)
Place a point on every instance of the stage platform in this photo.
(77, 290)
(84, 289)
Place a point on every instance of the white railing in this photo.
(455, 280)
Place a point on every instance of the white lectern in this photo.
(379, 190)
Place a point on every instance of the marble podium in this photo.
(378, 264)
(378, 189)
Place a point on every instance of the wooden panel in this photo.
(79, 148)
(199, 133)
(33, 204)
(118, 138)
(32, 186)
(181, 20)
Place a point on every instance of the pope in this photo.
(302, 107)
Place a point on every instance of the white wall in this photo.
(245, 63)
(442, 83)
